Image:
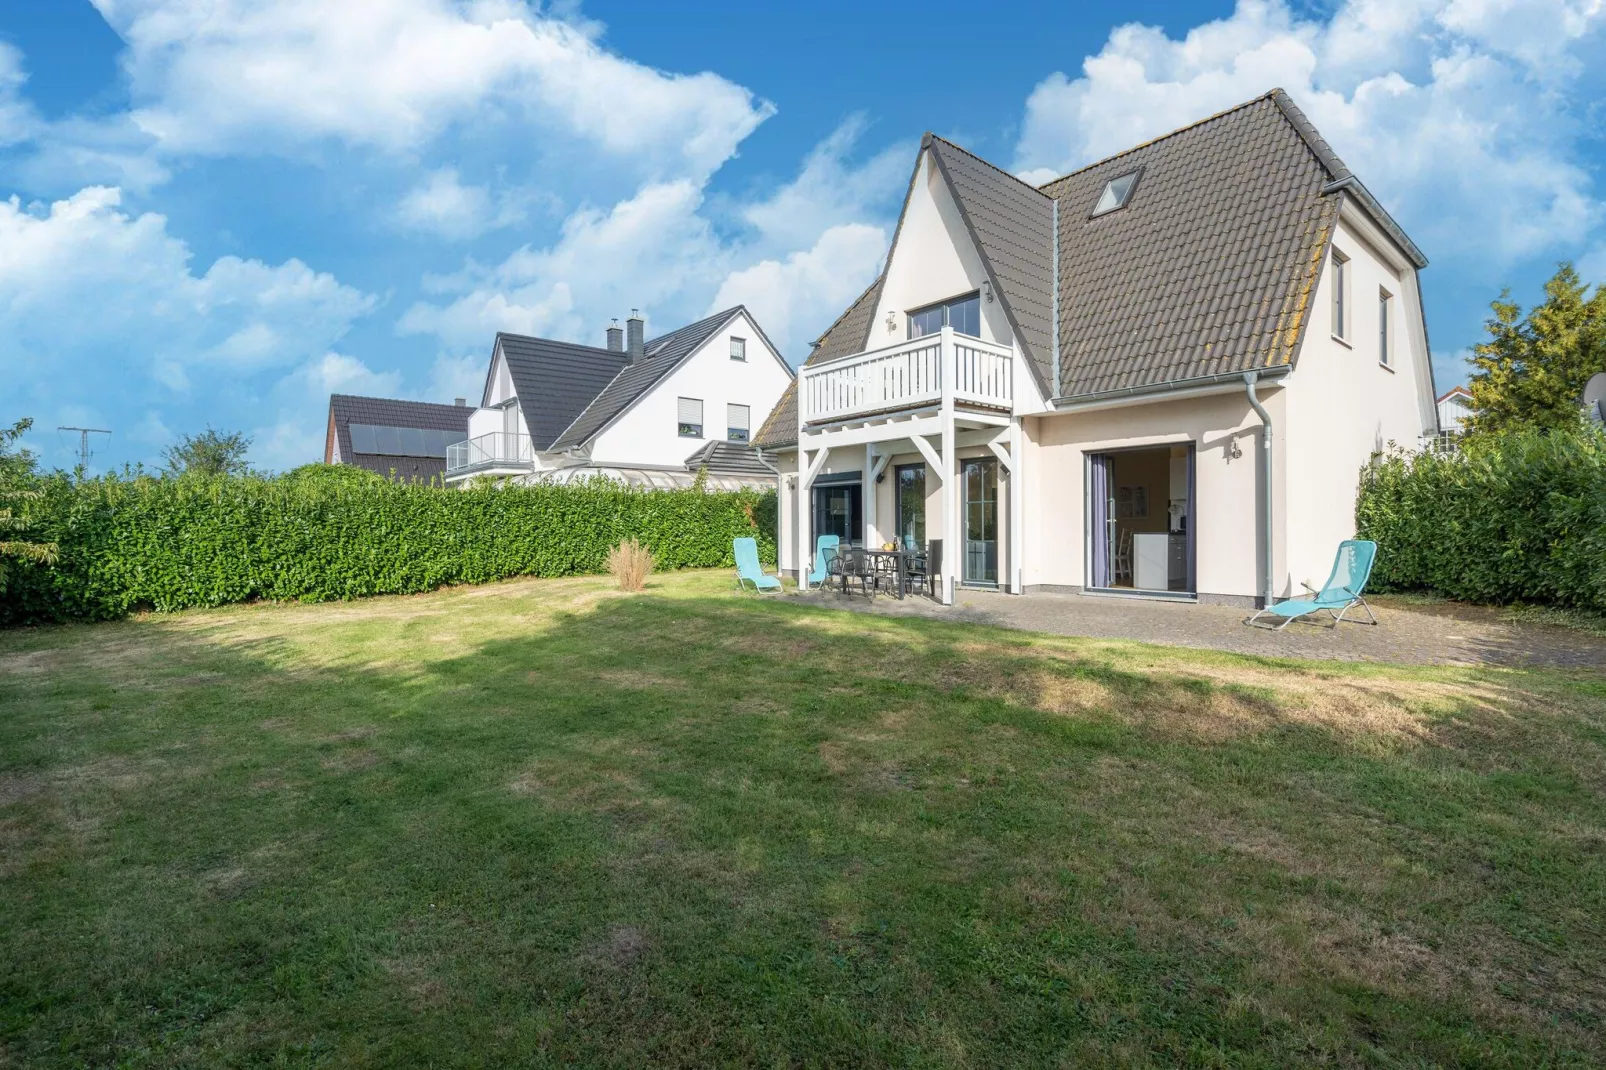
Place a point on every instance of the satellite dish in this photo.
(1595, 397)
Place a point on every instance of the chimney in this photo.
(616, 338)
(460, 402)
(636, 335)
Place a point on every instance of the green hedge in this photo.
(1513, 518)
(315, 536)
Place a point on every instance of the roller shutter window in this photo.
(689, 415)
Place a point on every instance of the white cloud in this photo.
(83, 271)
(1450, 112)
(226, 75)
(17, 118)
(806, 250)
(797, 297)
(645, 252)
(101, 312)
(441, 204)
(830, 190)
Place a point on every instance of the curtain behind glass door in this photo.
(1101, 518)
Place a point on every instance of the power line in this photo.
(83, 441)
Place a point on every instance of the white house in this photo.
(645, 411)
(1157, 376)
(1455, 406)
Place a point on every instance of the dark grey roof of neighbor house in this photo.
(1209, 268)
(849, 334)
(555, 381)
(730, 458)
(348, 409)
(662, 356)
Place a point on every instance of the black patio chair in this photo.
(886, 574)
(925, 567)
(852, 565)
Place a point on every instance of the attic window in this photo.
(1117, 191)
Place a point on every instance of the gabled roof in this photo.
(555, 381)
(1011, 224)
(730, 458)
(662, 356)
(1209, 267)
(849, 334)
(348, 409)
(1455, 392)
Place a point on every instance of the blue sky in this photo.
(220, 211)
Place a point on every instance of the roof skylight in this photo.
(1117, 191)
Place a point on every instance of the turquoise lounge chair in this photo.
(1351, 569)
(748, 570)
(825, 548)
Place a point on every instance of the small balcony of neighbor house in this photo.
(933, 370)
(494, 454)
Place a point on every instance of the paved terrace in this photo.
(1431, 635)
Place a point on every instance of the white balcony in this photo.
(497, 452)
(925, 371)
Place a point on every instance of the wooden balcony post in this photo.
(952, 551)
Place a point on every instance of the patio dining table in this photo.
(892, 563)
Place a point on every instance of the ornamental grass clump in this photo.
(630, 564)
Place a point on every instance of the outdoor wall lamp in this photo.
(987, 291)
(1234, 451)
(892, 322)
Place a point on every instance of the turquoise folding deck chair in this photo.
(825, 548)
(748, 570)
(1351, 569)
(747, 567)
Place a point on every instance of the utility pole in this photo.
(83, 441)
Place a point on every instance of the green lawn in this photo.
(543, 823)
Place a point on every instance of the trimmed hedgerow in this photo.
(175, 543)
(1512, 518)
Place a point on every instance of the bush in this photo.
(630, 564)
(167, 544)
(1513, 518)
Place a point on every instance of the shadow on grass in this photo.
(693, 830)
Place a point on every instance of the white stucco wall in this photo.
(1227, 528)
(934, 259)
(1343, 405)
(647, 433)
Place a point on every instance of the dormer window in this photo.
(1117, 192)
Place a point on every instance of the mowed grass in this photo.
(543, 823)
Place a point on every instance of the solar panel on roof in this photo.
(401, 441)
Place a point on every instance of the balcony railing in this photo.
(499, 449)
(909, 375)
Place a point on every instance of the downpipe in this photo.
(1250, 380)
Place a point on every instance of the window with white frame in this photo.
(1385, 327)
(738, 422)
(1340, 296)
(689, 416)
(738, 349)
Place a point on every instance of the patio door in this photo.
(838, 511)
(980, 482)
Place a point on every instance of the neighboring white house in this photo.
(1455, 406)
(1159, 375)
(645, 411)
